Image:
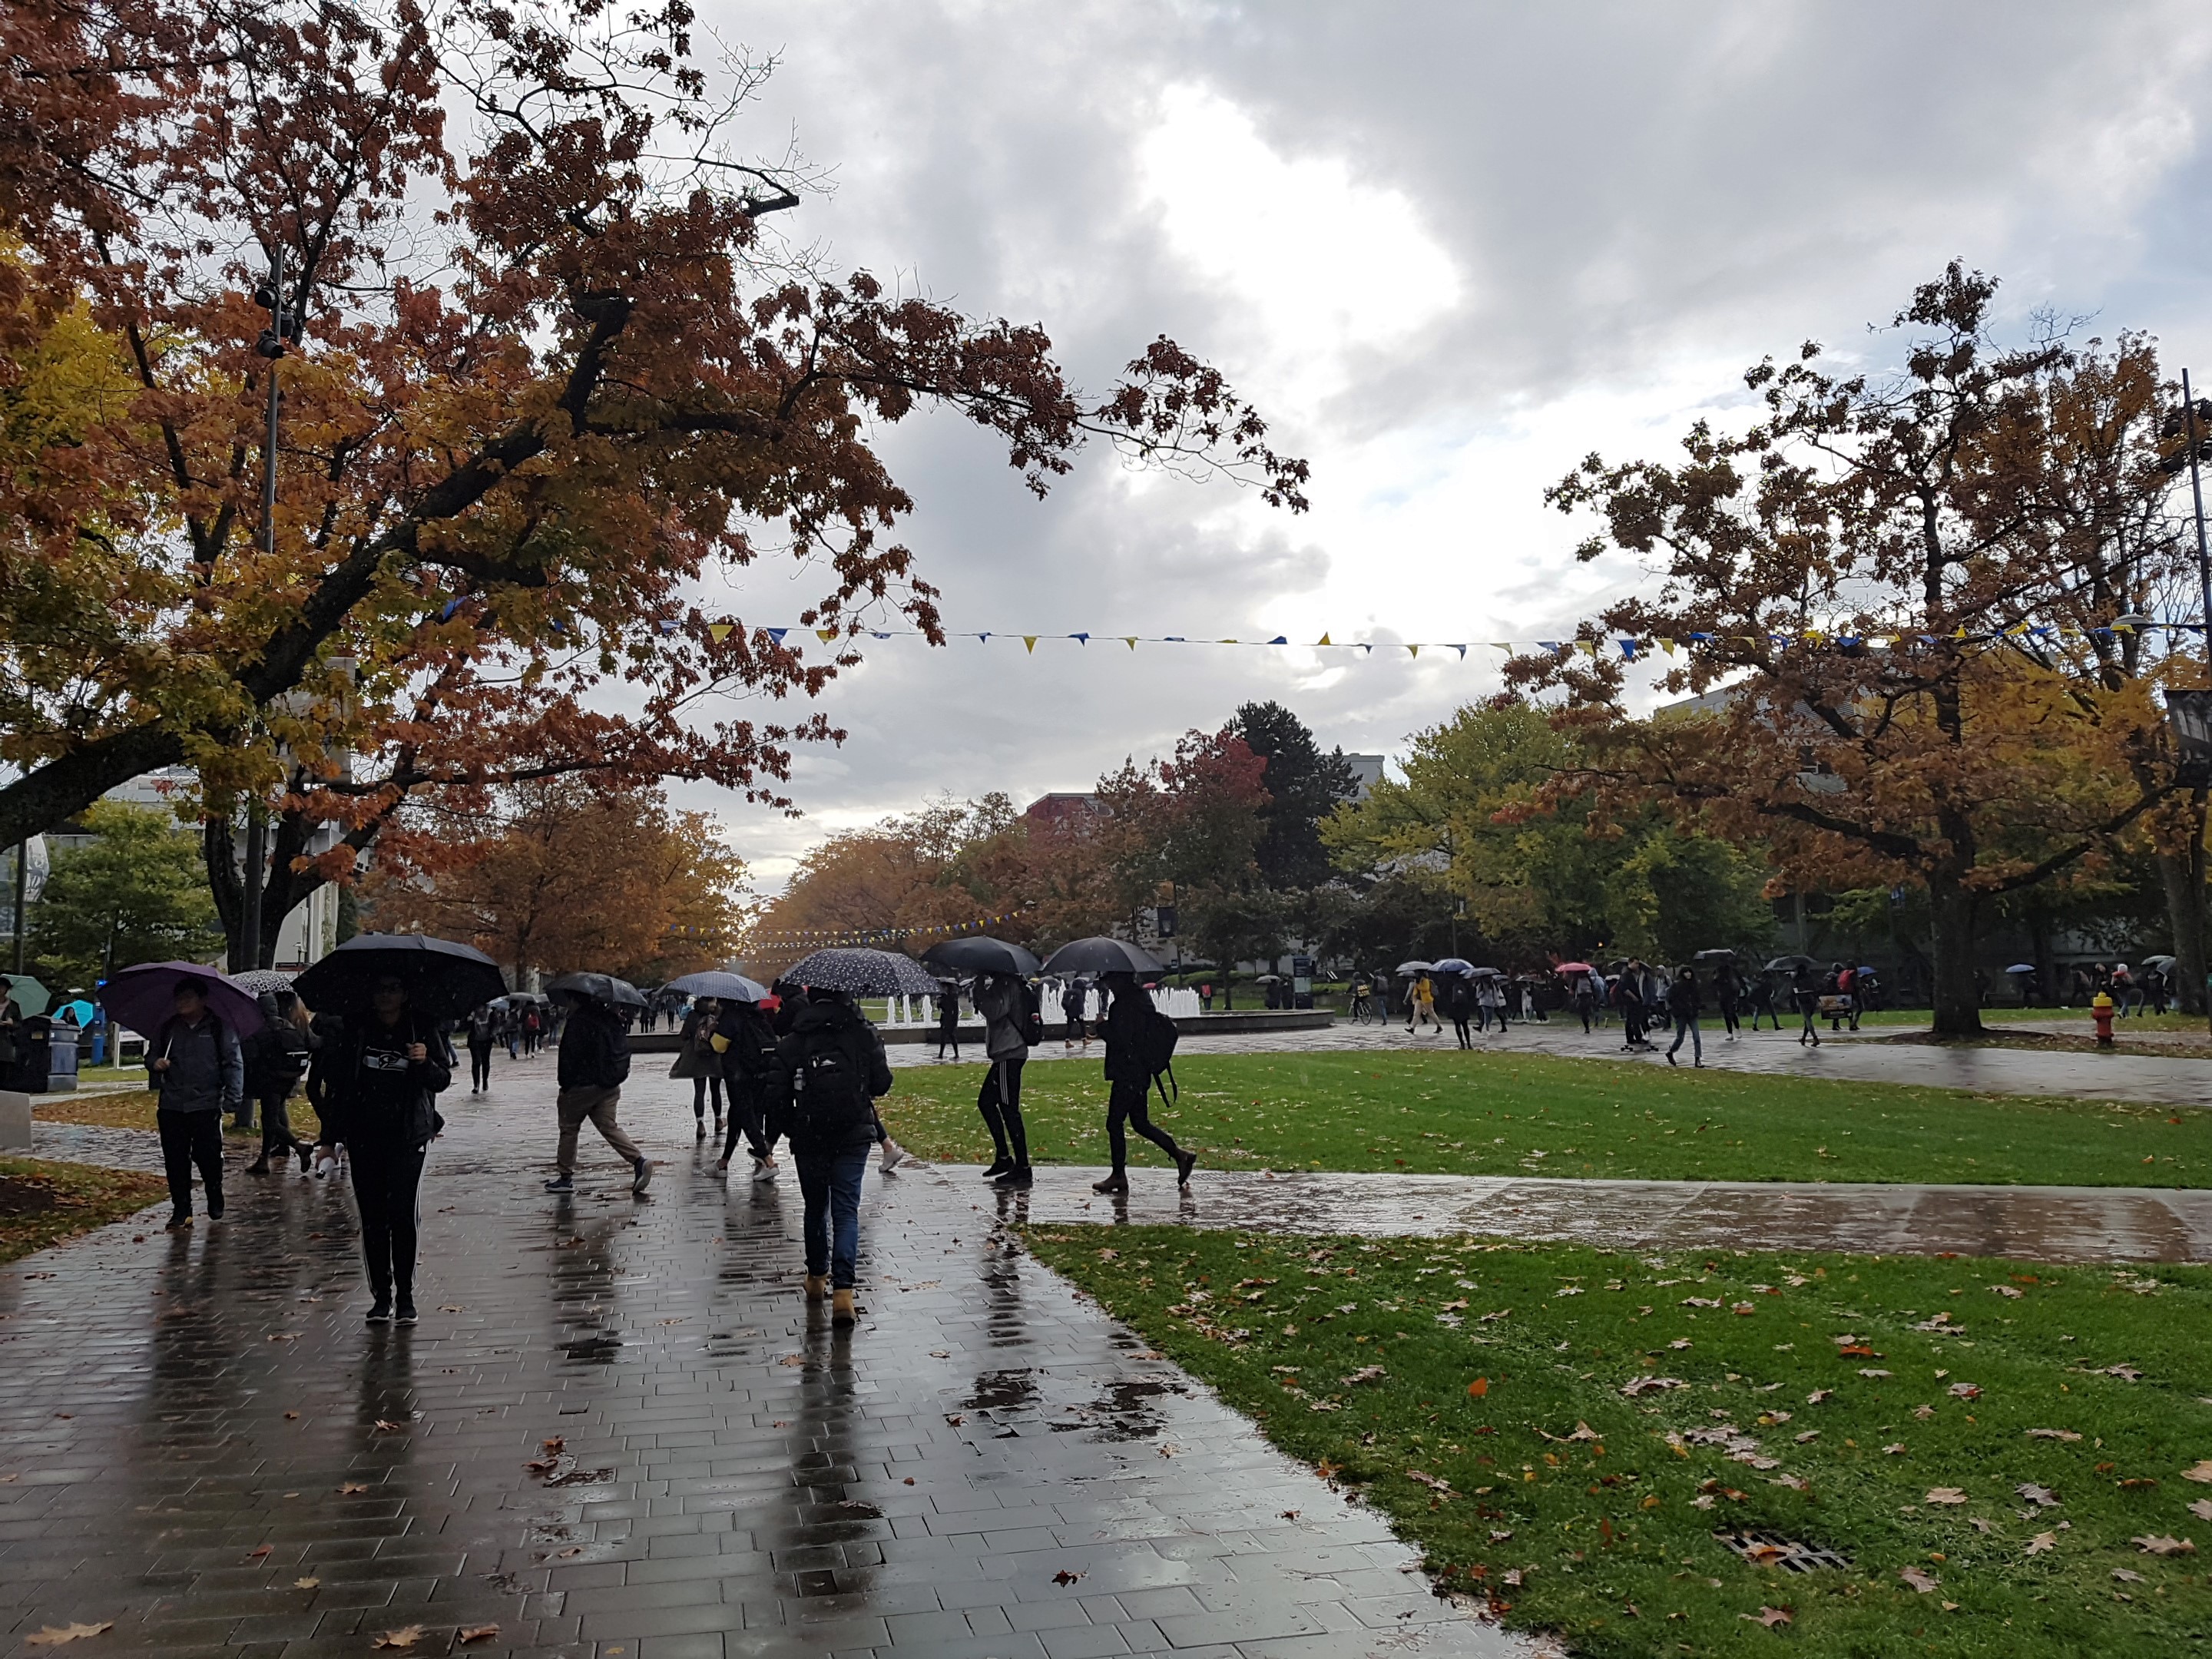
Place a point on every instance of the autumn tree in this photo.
(572, 876)
(1895, 599)
(541, 372)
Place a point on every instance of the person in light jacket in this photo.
(198, 1073)
(1003, 1001)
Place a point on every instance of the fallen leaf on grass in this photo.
(2201, 1509)
(1895, 1449)
(1919, 1580)
(2042, 1497)
(1818, 1395)
(1963, 1391)
(2125, 1373)
(1684, 1342)
(478, 1633)
(2128, 1577)
(1769, 1617)
(1480, 1387)
(2052, 1434)
(54, 1635)
(1874, 1371)
(405, 1637)
(1366, 1374)
(1923, 1413)
(1980, 1525)
(1432, 1482)
(1636, 1385)
(1944, 1495)
(2042, 1541)
(2202, 1474)
(2163, 1545)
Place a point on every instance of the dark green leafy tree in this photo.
(138, 893)
(1304, 785)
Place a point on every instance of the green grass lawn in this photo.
(1565, 1430)
(1445, 1111)
(115, 1110)
(43, 1202)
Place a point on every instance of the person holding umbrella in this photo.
(1003, 1001)
(593, 1064)
(382, 1079)
(1684, 1004)
(1129, 1078)
(835, 1062)
(198, 1073)
(696, 1059)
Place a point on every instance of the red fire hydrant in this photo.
(2100, 1009)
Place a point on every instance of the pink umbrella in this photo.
(140, 997)
(1574, 968)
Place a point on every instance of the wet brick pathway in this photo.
(205, 1443)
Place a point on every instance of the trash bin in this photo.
(61, 1059)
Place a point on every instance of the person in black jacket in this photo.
(747, 1045)
(836, 1064)
(1129, 1083)
(275, 1059)
(382, 1074)
(594, 1065)
(1729, 995)
(1455, 999)
(1684, 1004)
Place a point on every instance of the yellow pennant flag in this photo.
(1413, 650)
(717, 632)
(1227, 641)
(1030, 640)
(1668, 645)
(1587, 648)
(1324, 640)
(825, 634)
(1129, 639)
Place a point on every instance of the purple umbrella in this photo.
(140, 997)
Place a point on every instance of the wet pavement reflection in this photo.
(619, 1432)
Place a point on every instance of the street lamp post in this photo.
(284, 325)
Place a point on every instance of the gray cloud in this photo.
(1631, 201)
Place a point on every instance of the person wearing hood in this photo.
(383, 1074)
(595, 1064)
(746, 1042)
(1003, 1001)
(834, 1061)
(198, 1073)
(1130, 1074)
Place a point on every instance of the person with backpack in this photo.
(695, 1058)
(1006, 1003)
(1684, 1004)
(1806, 988)
(834, 1061)
(382, 1076)
(276, 1058)
(593, 1066)
(751, 1074)
(1458, 1001)
(948, 1019)
(1140, 1044)
(1074, 1002)
(483, 1032)
(198, 1074)
(1727, 996)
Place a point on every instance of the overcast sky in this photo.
(1448, 248)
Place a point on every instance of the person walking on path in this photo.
(1003, 1001)
(1684, 1004)
(1629, 998)
(1585, 1000)
(1075, 1003)
(1131, 1048)
(948, 1019)
(275, 1059)
(1727, 994)
(1490, 996)
(532, 1029)
(750, 1074)
(1807, 990)
(835, 1060)
(483, 1031)
(595, 1064)
(1459, 1003)
(696, 1059)
(198, 1073)
(1762, 1001)
(382, 1081)
(1421, 1004)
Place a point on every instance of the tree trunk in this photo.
(1958, 1003)
(2183, 876)
(282, 889)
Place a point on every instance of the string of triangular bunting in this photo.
(816, 938)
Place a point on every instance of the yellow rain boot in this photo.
(841, 1308)
(818, 1287)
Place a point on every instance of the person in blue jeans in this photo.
(1684, 1004)
(835, 1070)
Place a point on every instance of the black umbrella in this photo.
(1713, 955)
(444, 978)
(859, 972)
(979, 954)
(140, 997)
(1101, 955)
(598, 988)
(258, 980)
(722, 986)
(1790, 964)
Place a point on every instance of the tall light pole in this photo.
(2197, 493)
(284, 325)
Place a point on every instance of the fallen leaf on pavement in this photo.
(1944, 1495)
(2163, 1545)
(291, 1416)
(383, 1427)
(1919, 1580)
(554, 1444)
(405, 1637)
(478, 1633)
(1064, 1577)
(306, 1583)
(255, 1555)
(352, 1487)
(1769, 1617)
(2042, 1541)
(54, 1635)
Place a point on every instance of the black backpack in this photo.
(1157, 1046)
(1032, 1016)
(830, 1094)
